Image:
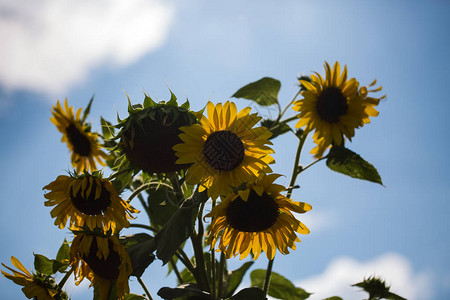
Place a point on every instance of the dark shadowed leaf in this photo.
(140, 248)
(236, 276)
(253, 293)
(160, 207)
(347, 162)
(264, 91)
(176, 231)
(279, 286)
(187, 289)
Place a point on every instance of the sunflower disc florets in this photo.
(150, 132)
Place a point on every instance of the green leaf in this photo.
(276, 128)
(107, 129)
(176, 230)
(253, 293)
(160, 206)
(186, 289)
(87, 110)
(63, 256)
(279, 286)
(112, 293)
(134, 297)
(264, 91)
(393, 296)
(235, 277)
(347, 162)
(47, 266)
(63, 253)
(140, 248)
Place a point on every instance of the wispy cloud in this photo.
(342, 272)
(50, 45)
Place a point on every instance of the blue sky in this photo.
(206, 51)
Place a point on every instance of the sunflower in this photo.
(150, 132)
(103, 261)
(35, 286)
(224, 149)
(81, 142)
(89, 200)
(334, 107)
(256, 219)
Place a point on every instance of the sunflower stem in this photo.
(187, 263)
(296, 170)
(197, 244)
(220, 278)
(213, 274)
(153, 229)
(175, 269)
(268, 275)
(144, 288)
(313, 163)
(138, 191)
(287, 106)
(65, 278)
(213, 265)
(117, 173)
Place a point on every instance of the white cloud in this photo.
(50, 45)
(342, 272)
(319, 221)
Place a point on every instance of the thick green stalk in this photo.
(64, 279)
(296, 170)
(268, 275)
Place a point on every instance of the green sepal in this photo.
(148, 101)
(107, 129)
(254, 293)
(347, 162)
(140, 248)
(184, 290)
(122, 181)
(87, 110)
(235, 277)
(333, 298)
(186, 105)
(279, 287)
(264, 91)
(47, 266)
(173, 99)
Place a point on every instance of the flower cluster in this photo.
(186, 162)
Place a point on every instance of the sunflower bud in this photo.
(149, 134)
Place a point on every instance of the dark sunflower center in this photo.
(81, 144)
(105, 268)
(223, 150)
(331, 104)
(87, 203)
(256, 214)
